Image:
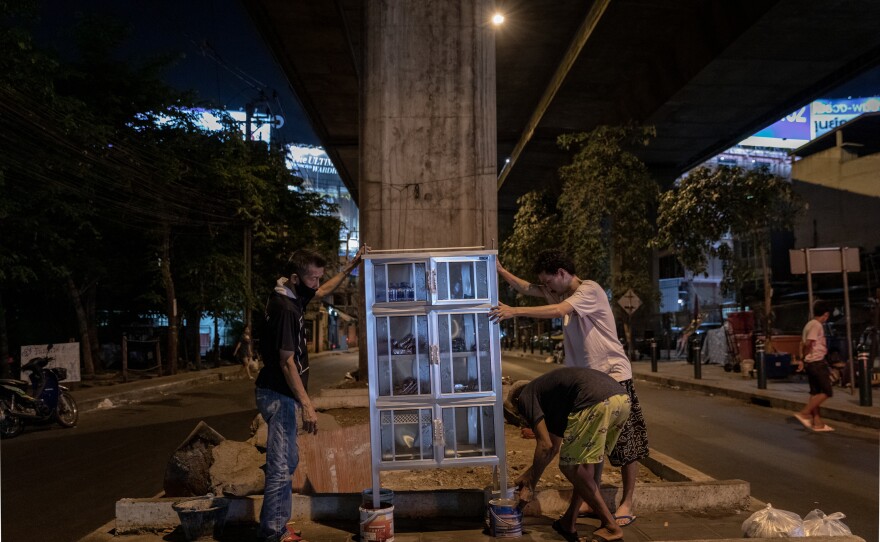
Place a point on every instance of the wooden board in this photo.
(336, 461)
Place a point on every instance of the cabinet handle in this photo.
(439, 437)
(435, 354)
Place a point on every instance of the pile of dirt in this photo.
(520, 452)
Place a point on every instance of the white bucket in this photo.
(505, 519)
(377, 524)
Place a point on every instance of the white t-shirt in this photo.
(815, 331)
(590, 334)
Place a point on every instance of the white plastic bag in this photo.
(773, 523)
(816, 523)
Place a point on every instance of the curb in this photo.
(763, 398)
(117, 395)
(691, 491)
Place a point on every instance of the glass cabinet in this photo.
(434, 361)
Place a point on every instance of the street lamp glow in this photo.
(497, 19)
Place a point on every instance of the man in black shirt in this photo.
(578, 413)
(283, 380)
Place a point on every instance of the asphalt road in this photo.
(61, 484)
(788, 467)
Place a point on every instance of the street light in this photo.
(497, 19)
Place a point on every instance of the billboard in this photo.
(812, 121)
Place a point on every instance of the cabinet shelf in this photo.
(434, 361)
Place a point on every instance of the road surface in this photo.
(62, 484)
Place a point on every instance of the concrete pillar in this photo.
(428, 144)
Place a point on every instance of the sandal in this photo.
(569, 536)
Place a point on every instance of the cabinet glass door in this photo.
(469, 431)
(462, 280)
(465, 354)
(403, 355)
(399, 282)
(406, 434)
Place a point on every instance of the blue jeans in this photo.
(282, 457)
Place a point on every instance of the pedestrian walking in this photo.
(246, 355)
(589, 340)
(815, 364)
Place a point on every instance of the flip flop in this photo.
(805, 421)
(569, 536)
(824, 429)
(627, 520)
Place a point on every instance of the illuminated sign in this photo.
(811, 121)
(310, 162)
(826, 115)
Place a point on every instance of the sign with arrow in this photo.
(630, 302)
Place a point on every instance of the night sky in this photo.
(224, 59)
(241, 67)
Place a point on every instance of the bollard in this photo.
(759, 360)
(865, 366)
(653, 344)
(698, 362)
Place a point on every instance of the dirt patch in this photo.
(519, 457)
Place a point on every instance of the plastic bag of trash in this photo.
(816, 523)
(773, 523)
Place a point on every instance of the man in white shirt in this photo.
(817, 369)
(590, 340)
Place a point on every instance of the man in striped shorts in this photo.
(579, 414)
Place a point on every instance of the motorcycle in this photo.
(41, 400)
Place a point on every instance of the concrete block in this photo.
(137, 515)
(341, 398)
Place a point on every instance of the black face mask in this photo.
(304, 291)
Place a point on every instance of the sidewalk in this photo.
(650, 526)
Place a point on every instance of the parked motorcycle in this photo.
(41, 400)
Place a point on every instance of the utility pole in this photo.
(248, 286)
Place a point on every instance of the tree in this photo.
(709, 204)
(39, 214)
(607, 204)
(116, 200)
(536, 222)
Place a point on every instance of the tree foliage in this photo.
(710, 204)
(536, 227)
(112, 193)
(606, 207)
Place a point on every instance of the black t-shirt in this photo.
(555, 395)
(284, 330)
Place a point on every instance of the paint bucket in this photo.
(505, 519)
(377, 524)
(202, 518)
(385, 496)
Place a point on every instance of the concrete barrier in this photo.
(686, 490)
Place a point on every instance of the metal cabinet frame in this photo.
(440, 299)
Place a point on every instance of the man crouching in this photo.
(579, 413)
